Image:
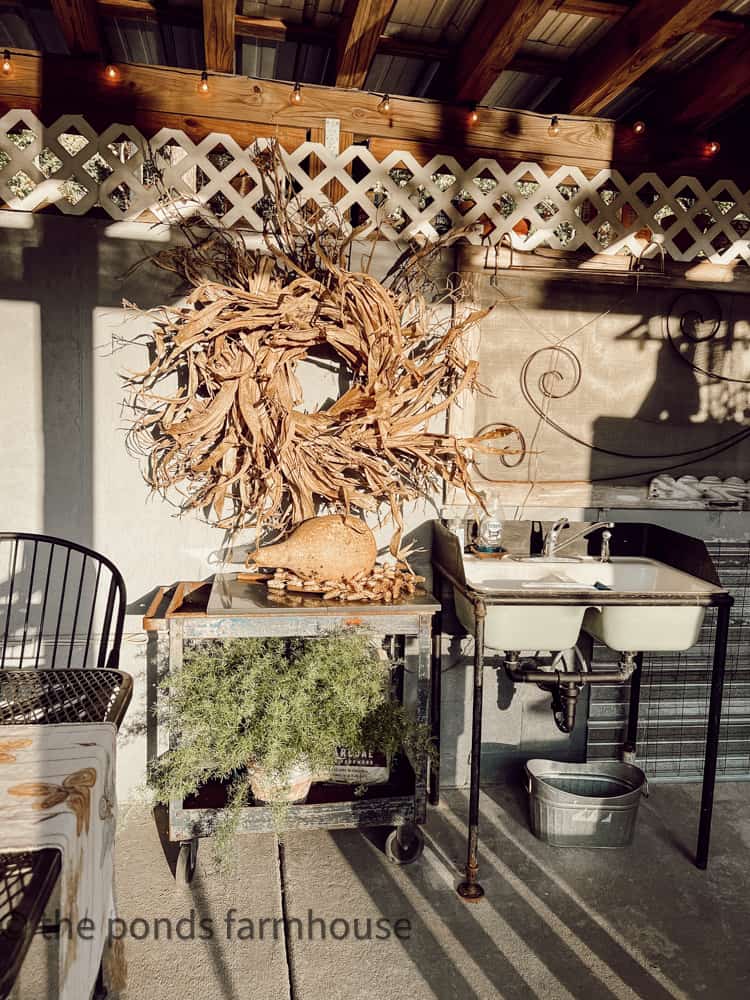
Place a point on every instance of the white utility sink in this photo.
(636, 627)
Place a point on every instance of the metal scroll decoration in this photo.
(692, 329)
(511, 458)
(553, 384)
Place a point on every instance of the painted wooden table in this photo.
(234, 609)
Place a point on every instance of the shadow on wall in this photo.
(576, 364)
(63, 279)
(688, 421)
(69, 268)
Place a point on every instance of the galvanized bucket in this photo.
(584, 805)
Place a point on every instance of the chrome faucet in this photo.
(552, 545)
(550, 541)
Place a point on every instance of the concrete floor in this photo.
(641, 922)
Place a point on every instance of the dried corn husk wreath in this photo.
(232, 439)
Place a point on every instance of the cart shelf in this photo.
(179, 614)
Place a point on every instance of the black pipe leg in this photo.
(436, 687)
(470, 889)
(631, 739)
(713, 732)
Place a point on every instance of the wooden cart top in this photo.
(189, 599)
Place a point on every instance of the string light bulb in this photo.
(203, 86)
(473, 116)
(639, 127)
(7, 65)
(385, 105)
(553, 128)
(111, 72)
(296, 97)
(713, 147)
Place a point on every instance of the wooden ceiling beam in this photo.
(219, 35)
(638, 41)
(149, 97)
(723, 23)
(79, 22)
(709, 89)
(497, 34)
(362, 24)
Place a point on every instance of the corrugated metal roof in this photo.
(688, 51)
(31, 27)
(321, 13)
(433, 21)
(292, 61)
(561, 36)
(558, 37)
(401, 75)
(627, 104)
(520, 90)
(154, 44)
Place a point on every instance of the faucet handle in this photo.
(606, 538)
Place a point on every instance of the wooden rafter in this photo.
(79, 22)
(710, 88)
(219, 35)
(723, 23)
(362, 24)
(495, 37)
(638, 41)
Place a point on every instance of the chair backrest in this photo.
(61, 605)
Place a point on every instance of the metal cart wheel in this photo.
(404, 845)
(186, 861)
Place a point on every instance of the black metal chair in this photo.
(62, 613)
(60, 596)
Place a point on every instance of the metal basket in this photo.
(584, 805)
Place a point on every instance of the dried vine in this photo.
(233, 439)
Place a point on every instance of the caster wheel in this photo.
(404, 845)
(186, 861)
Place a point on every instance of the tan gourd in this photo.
(331, 547)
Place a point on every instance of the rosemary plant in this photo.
(275, 704)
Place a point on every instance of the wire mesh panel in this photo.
(675, 691)
(44, 697)
(62, 606)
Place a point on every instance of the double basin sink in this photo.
(626, 602)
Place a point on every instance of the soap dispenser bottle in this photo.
(491, 526)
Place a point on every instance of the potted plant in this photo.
(269, 714)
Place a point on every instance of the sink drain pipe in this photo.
(565, 685)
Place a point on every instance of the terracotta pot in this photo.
(326, 548)
(273, 786)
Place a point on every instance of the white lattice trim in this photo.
(72, 167)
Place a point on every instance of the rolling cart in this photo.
(227, 609)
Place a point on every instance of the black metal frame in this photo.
(470, 889)
(114, 609)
